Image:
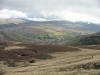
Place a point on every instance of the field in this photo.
(31, 59)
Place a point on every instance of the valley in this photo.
(49, 48)
(50, 32)
(49, 37)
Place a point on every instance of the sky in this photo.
(42, 10)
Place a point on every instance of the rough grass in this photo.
(97, 47)
(50, 60)
(64, 63)
(2, 72)
(86, 66)
(21, 52)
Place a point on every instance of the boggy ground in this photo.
(30, 59)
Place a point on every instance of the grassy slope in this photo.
(67, 60)
(47, 32)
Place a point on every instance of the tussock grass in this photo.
(2, 72)
(38, 59)
(95, 47)
(22, 52)
(10, 63)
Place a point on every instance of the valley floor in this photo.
(81, 62)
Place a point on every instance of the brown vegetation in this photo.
(65, 60)
(29, 52)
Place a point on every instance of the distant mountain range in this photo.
(22, 20)
(52, 32)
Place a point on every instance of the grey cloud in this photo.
(40, 7)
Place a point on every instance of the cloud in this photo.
(73, 10)
(5, 13)
(37, 19)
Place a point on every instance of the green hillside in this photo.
(92, 39)
(51, 32)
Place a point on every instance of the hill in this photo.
(51, 32)
(11, 20)
(91, 39)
